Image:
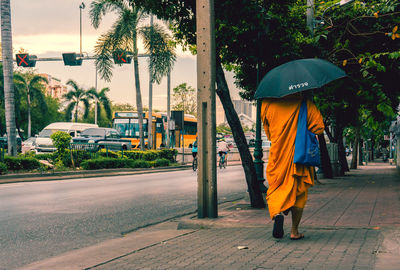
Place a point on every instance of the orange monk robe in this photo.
(288, 182)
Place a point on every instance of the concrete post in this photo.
(150, 116)
(168, 143)
(207, 173)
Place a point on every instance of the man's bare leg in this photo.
(296, 217)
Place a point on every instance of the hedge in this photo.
(151, 155)
(21, 163)
(3, 168)
(107, 163)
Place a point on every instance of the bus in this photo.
(127, 123)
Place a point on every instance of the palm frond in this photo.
(103, 51)
(99, 8)
(73, 84)
(162, 52)
(105, 101)
(69, 110)
(86, 107)
(37, 94)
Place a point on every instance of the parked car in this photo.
(43, 142)
(104, 138)
(28, 145)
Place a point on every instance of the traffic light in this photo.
(72, 59)
(121, 57)
(25, 60)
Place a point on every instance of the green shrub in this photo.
(78, 156)
(3, 168)
(103, 163)
(61, 140)
(138, 163)
(134, 154)
(161, 162)
(110, 154)
(21, 163)
(150, 155)
(49, 156)
(169, 154)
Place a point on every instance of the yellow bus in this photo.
(127, 123)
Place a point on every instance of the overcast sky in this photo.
(47, 28)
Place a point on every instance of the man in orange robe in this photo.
(288, 182)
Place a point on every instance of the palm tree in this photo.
(75, 98)
(32, 89)
(102, 100)
(123, 35)
(9, 100)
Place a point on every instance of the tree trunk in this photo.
(256, 197)
(9, 100)
(344, 166)
(355, 151)
(360, 151)
(325, 159)
(76, 111)
(29, 114)
(139, 104)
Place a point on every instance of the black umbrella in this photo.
(297, 76)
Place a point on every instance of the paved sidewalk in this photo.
(351, 222)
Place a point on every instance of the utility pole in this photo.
(81, 6)
(206, 73)
(95, 98)
(150, 120)
(168, 108)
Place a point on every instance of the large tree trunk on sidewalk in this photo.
(355, 151)
(256, 197)
(325, 159)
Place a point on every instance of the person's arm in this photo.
(264, 108)
(315, 121)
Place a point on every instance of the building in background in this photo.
(54, 88)
(243, 108)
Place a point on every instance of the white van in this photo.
(43, 143)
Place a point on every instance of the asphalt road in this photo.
(39, 220)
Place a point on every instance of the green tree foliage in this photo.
(75, 97)
(122, 107)
(32, 87)
(185, 99)
(362, 38)
(103, 103)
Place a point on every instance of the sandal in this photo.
(277, 231)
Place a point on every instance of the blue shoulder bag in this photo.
(306, 148)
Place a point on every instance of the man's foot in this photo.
(296, 237)
(277, 232)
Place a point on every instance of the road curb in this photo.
(31, 177)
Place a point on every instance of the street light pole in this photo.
(81, 6)
(95, 98)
